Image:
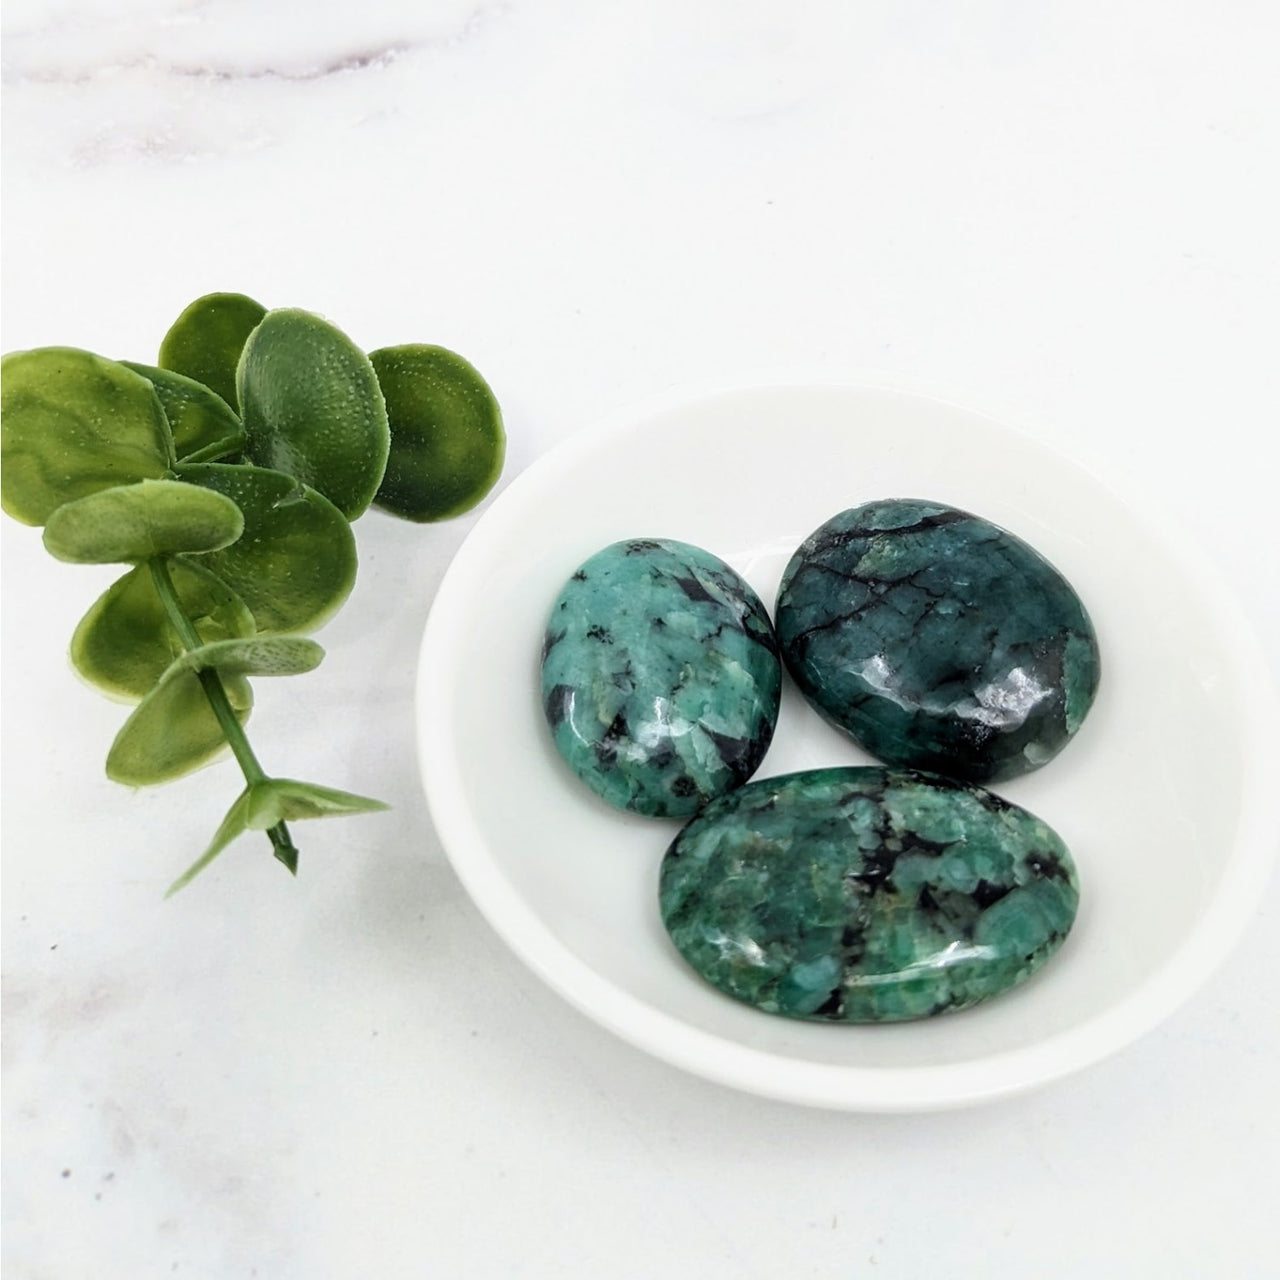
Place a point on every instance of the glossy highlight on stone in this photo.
(866, 894)
(660, 676)
(937, 640)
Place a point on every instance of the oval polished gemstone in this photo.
(660, 676)
(866, 894)
(937, 640)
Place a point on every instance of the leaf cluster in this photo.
(226, 478)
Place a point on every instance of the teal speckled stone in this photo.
(660, 676)
(937, 640)
(866, 894)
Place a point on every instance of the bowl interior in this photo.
(1148, 796)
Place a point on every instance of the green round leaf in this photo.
(173, 729)
(206, 340)
(447, 439)
(313, 409)
(125, 643)
(73, 423)
(134, 522)
(295, 563)
(204, 425)
(255, 656)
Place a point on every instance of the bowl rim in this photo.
(1246, 869)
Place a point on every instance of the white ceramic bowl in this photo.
(1162, 796)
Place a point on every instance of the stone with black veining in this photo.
(866, 894)
(660, 676)
(937, 640)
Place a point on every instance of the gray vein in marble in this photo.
(168, 85)
(52, 54)
(365, 60)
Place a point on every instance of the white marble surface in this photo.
(1062, 211)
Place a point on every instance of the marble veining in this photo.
(289, 42)
(184, 82)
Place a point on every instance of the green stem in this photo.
(281, 842)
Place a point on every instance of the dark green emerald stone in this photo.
(660, 676)
(866, 894)
(937, 640)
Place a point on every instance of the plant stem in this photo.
(281, 842)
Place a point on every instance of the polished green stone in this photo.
(937, 640)
(866, 894)
(660, 676)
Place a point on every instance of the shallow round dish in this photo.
(1161, 796)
